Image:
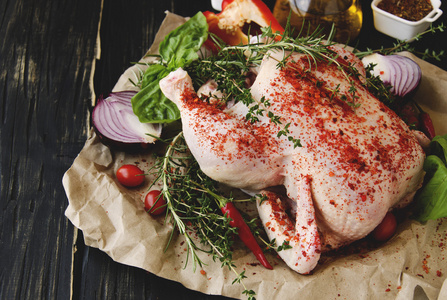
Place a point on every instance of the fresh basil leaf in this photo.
(181, 45)
(152, 106)
(438, 147)
(153, 72)
(431, 200)
(178, 49)
(149, 104)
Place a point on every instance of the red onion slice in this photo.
(114, 119)
(401, 73)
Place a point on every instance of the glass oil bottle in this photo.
(306, 15)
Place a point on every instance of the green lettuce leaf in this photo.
(431, 200)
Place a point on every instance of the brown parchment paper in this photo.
(412, 265)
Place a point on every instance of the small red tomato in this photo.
(154, 203)
(386, 229)
(130, 176)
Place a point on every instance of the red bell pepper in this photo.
(233, 37)
(228, 24)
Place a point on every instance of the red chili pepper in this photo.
(228, 24)
(409, 114)
(244, 232)
(426, 124)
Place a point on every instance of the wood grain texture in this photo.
(46, 59)
(45, 62)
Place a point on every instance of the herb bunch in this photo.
(192, 206)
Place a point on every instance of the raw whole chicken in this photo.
(357, 158)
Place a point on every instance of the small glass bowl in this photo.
(402, 29)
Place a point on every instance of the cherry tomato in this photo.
(130, 176)
(386, 229)
(154, 203)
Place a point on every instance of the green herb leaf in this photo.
(178, 49)
(152, 73)
(439, 147)
(431, 200)
(285, 246)
(152, 106)
(180, 46)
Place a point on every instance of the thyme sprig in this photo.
(193, 206)
(406, 45)
(376, 86)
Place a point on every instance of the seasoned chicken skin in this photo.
(356, 161)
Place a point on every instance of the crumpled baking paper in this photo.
(412, 265)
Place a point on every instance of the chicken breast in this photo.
(344, 158)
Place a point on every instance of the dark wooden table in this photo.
(46, 59)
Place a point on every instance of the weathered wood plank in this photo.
(45, 61)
